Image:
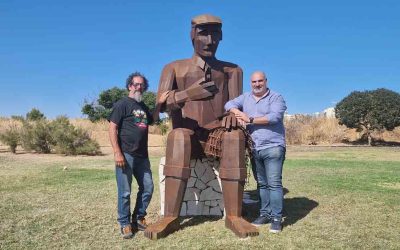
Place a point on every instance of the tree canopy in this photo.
(35, 115)
(370, 110)
(102, 106)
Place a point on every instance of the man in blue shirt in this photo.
(261, 111)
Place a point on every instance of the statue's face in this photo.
(206, 39)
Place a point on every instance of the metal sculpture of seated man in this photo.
(198, 89)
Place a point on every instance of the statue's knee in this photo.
(178, 153)
(232, 164)
(179, 137)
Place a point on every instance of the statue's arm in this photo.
(199, 90)
(167, 83)
(235, 83)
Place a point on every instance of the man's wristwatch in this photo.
(251, 119)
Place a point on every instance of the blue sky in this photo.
(54, 54)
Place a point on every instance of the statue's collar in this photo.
(200, 61)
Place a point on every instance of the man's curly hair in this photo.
(131, 76)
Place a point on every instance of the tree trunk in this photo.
(369, 139)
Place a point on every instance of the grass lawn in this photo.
(335, 198)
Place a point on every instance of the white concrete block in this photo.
(161, 184)
(207, 203)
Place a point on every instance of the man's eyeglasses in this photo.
(135, 84)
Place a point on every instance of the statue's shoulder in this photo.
(228, 66)
(178, 63)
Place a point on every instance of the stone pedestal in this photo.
(203, 195)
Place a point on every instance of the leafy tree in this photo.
(370, 110)
(149, 98)
(35, 115)
(101, 108)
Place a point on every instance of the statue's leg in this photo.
(233, 175)
(177, 172)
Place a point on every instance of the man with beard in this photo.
(128, 131)
(261, 111)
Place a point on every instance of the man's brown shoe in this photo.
(141, 224)
(126, 232)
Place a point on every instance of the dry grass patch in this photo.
(334, 201)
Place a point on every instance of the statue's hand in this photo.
(229, 121)
(201, 90)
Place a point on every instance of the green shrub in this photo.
(163, 126)
(11, 137)
(36, 135)
(70, 140)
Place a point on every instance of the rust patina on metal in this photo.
(199, 87)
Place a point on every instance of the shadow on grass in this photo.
(294, 209)
(363, 141)
(196, 220)
(297, 208)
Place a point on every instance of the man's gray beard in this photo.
(138, 96)
(258, 91)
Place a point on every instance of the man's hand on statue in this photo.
(229, 121)
(234, 111)
(242, 123)
(119, 159)
(242, 116)
(163, 97)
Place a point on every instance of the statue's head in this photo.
(206, 33)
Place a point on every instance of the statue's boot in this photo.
(233, 175)
(177, 173)
(174, 191)
(233, 197)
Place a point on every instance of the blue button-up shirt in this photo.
(272, 106)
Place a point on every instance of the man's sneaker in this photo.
(141, 224)
(261, 220)
(126, 232)
(276, 226)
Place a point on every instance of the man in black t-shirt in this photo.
(128, 131)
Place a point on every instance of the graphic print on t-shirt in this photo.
(140, 118)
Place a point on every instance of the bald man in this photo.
(261, 111)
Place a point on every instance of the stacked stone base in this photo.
(203, 195)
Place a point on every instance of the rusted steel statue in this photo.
(199, 87)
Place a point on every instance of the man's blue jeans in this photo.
(269, 163)
(140, 169)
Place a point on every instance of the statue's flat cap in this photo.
(205, 19)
